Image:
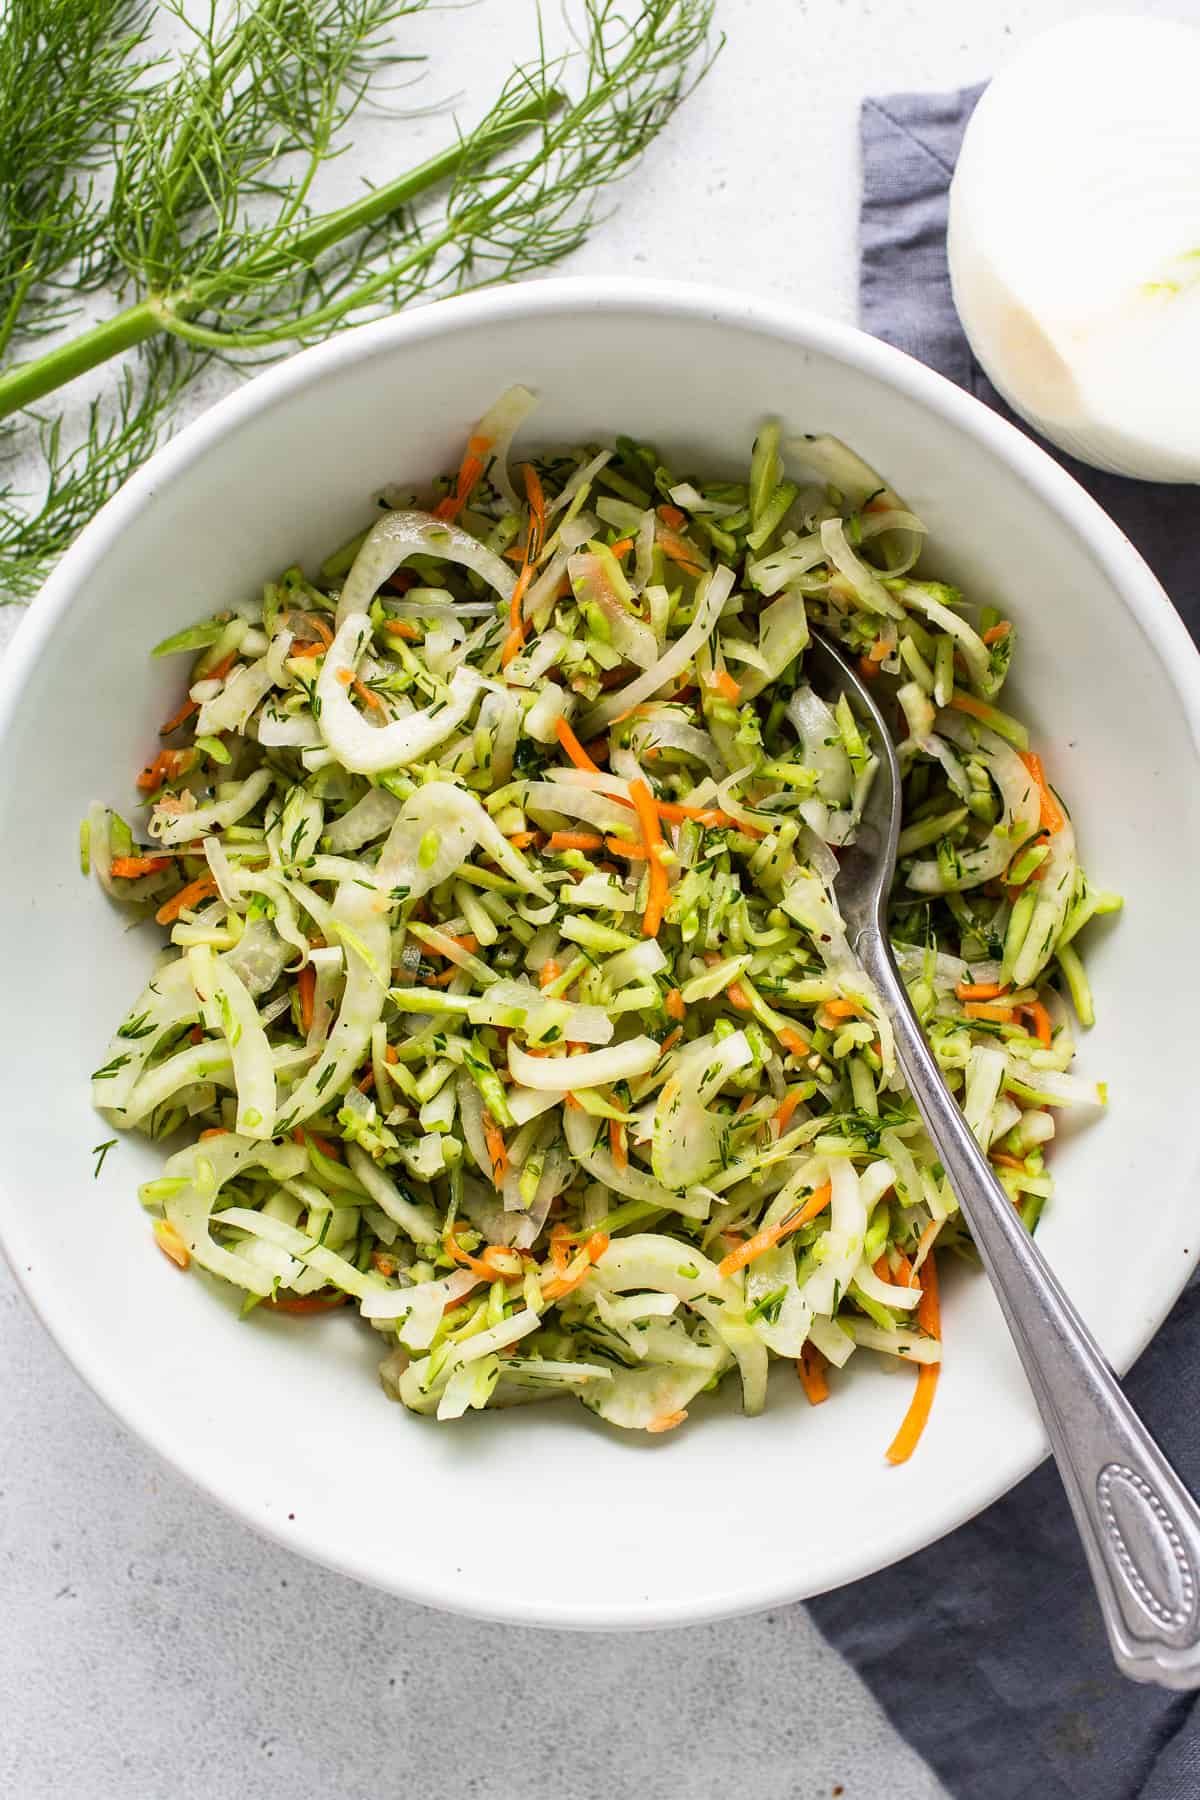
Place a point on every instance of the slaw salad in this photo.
(507, 999)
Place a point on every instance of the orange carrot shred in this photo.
(647, 814)
(917, 1417)
(722, 682)
(306, 1303)
(981, 990)
(548, 973)
(810, 1367)
(171, 1244)
(674, 1005)
(573, 748)
(765, 1240)
(128, 868)
(617, 1144)
(497, 1148)
(667, 1421)
(306, 983)
(470, 469)
(990, 1009)
(1051, 816)
(671, 515)
(996, 633)
(1040, 1019)
(787, 1107)
(574, 840)
(188, 896)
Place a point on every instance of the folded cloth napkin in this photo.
(987, 1651)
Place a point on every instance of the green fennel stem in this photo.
(31, 381)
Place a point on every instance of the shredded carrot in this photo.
(516, 618)
(704, 815)
(166, 765)
(842, 1009)
(306, 983)
(672, 1038)
(792, 1041)
(185, 712)
(981, 990)
(317, 623)
(667, 1421)
(626, 847)
(996, 633)
(671, 515)
(390, 1053)
(678, 550)
(617, 1143)
(722, 683)
(621, 548)
(990, 1009)
(674, 1005)
(190, 706)
(1004, 1161)
(737, 996)
(879, 651)
(765, 1240)
(128, 868)
(574, 840)
(926, 1242)
(548, 973)
(810, 1367)
(497, 1149)
(901, 1276)
(214, 1131)
(572, 1270)
(504, 1263)
(401, 628)
(443, 980)
(171, 1244)
(1051, 816)
(652, 835)
(869, 670)
(1040, 1019)
(458, 1254)
(191, 895)
(560, 1249)
(915, 1420)
(325, 1145)
(366, 696)
(521, 840)
(573, 748)
(306, 651)
(470, 469)
(967, 703)
(468, 942)
(387, 1265)
(306, 1303)
(790, 1102)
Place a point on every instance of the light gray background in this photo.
(152, 1648)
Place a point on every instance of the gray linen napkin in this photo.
(987, 1651)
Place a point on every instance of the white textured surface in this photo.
(151, 1646)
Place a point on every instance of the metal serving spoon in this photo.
(1139, 1525)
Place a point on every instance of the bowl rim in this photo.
(1141, 594)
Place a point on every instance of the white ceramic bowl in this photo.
(545, 1515)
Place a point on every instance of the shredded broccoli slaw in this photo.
(507, 997)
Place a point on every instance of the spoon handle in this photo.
(1139, 1525)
